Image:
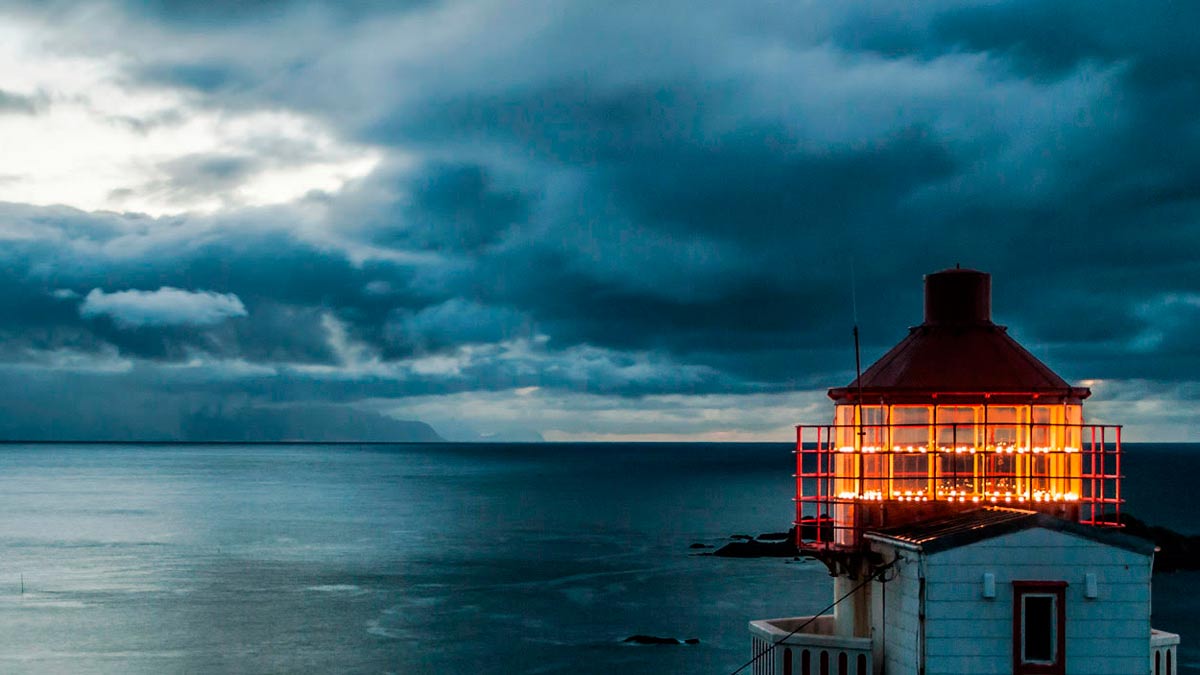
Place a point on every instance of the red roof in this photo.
(958, 353)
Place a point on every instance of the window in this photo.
(1039, 631)
(1039, 635)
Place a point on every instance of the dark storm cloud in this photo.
(284, 283)
(777, 213)
(598, 199)
(204, 77)
(1043, 39)
(210, 13)
(449, 208)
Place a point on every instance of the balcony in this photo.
(1163, 658)
(854, 477)
(815, 650)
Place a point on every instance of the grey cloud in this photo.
(185, 179)
(13, 103)
(205, 77)
(165, 306)
(450, 208)
(456, 322)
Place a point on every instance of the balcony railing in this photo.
(845, 471)
(1163, 659)
(815, 650)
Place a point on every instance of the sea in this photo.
(428, 558)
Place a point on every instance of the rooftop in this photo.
(969, 527)
(958, 350)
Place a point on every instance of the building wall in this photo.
(895, 620)
(965, 633)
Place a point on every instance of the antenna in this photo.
(857, 349)
(858, 411)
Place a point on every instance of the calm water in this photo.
(421, 559)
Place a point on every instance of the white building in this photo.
(969, 518)
(989, 591)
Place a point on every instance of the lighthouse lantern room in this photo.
(957, 415)
(969, 516)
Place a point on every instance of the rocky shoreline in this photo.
(1176, 551)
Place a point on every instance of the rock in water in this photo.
(656, 640)
(771, 545)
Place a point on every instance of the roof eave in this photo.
(1033, 519)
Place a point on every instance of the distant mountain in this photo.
(168, 419)
(304, 423)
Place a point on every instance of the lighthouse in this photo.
(969, 517)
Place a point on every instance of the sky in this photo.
(580, 220)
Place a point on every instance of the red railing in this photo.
(846, 474)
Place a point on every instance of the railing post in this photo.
(1117, 480)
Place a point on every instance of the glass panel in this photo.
(875, 471)
(872, 430)
(1041, 430)
(1005, 434)
(910, 442)
(911, 426)
(1004, 427)
(955, 427)
(1001, 475)
(1043, 466)
(1071, 484)
(1074, 417)
(955, 443)
(1038, 629)
(845, 421)
(956, 474)
(846, 417)
(911, 474)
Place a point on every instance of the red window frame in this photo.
(1057, 590)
